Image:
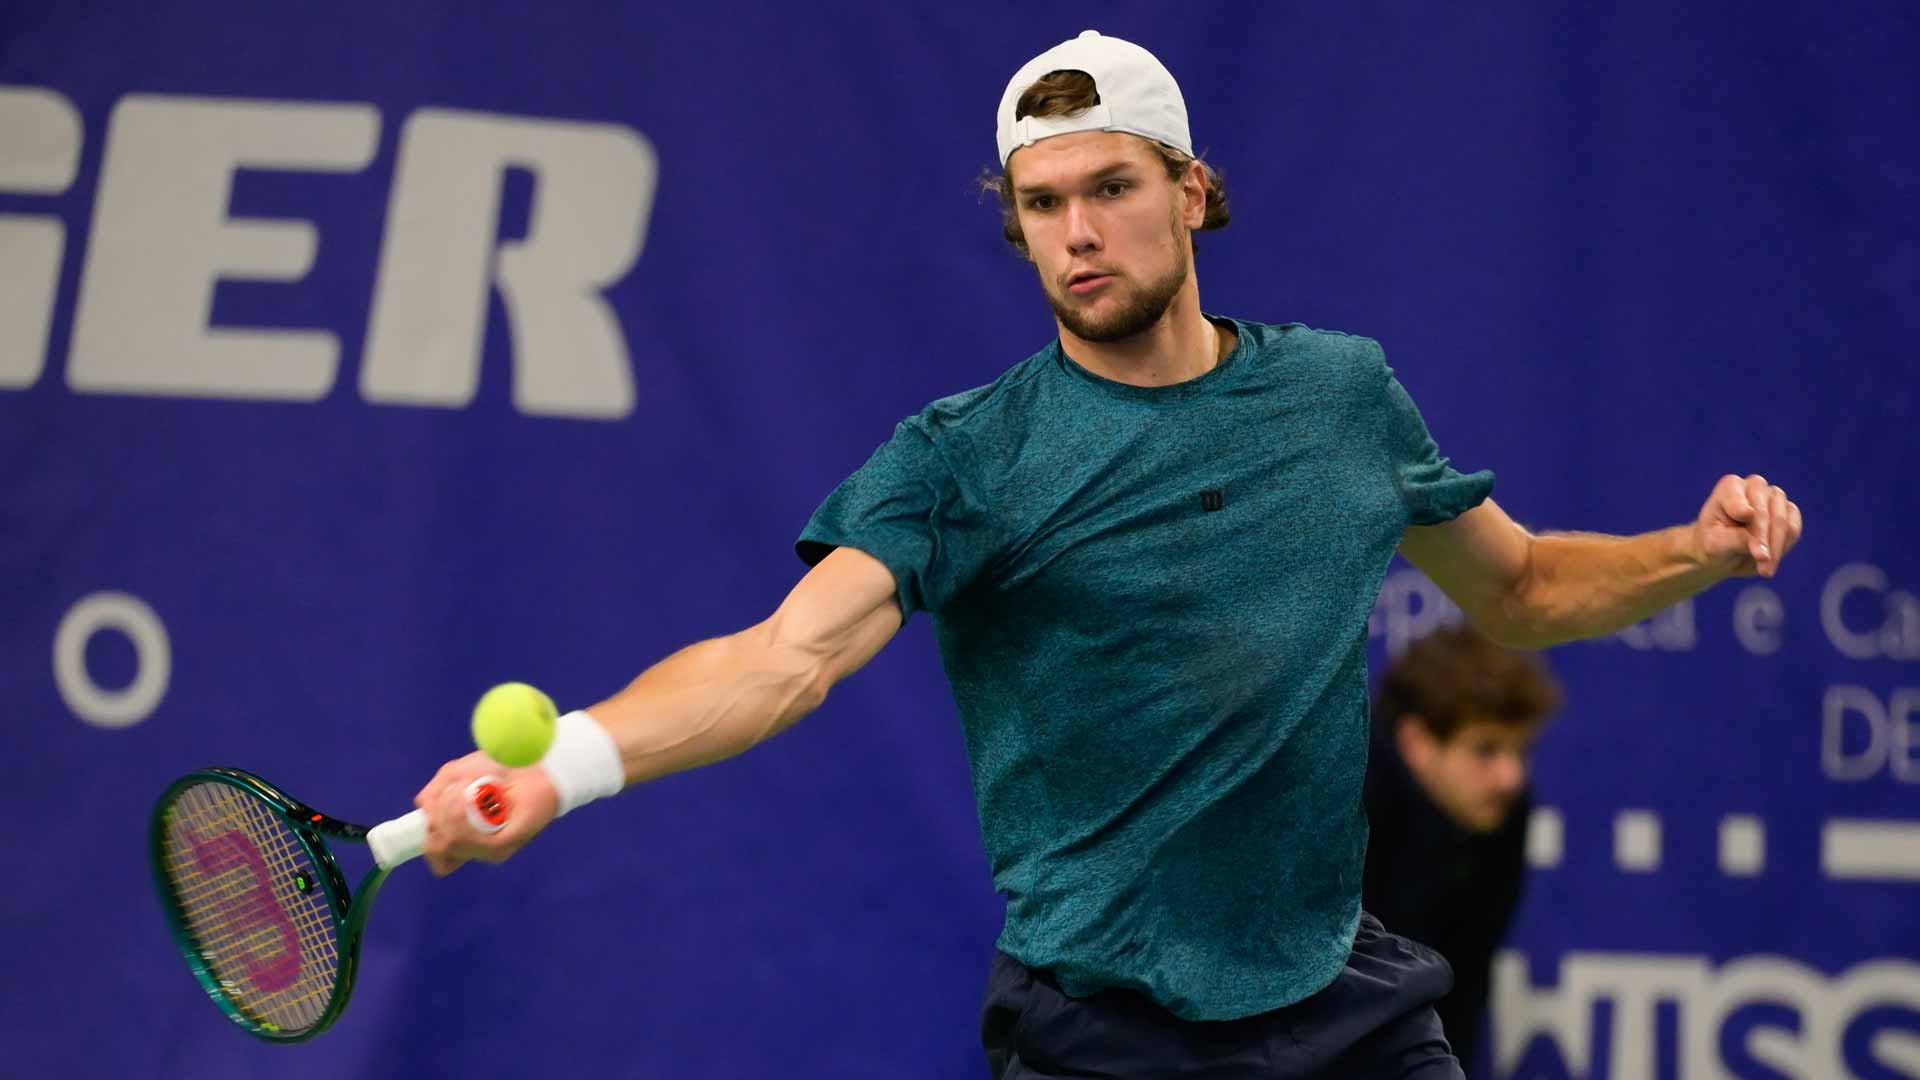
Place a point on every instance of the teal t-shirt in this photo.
(1152, 606)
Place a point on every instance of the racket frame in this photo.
(312, 829)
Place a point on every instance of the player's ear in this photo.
(1193, 195)
(1416, 740)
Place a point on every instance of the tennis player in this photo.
(1150, 550)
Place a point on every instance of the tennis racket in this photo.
(257, 902)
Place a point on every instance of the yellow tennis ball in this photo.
(513, 723)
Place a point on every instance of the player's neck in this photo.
(1182, 345)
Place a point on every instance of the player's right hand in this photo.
(453, 840)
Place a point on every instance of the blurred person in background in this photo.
(1455, 720)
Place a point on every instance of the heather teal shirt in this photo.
(1165, 704)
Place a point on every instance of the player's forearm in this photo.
(710, 701)
(1581, 585)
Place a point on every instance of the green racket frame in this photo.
(349, 909)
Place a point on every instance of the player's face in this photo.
(1477, 775)
(1106, 228)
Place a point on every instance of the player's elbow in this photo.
(801, 669)
(808, 679)
(1515, 618)
(1520, 613)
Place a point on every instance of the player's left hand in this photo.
(1747, 526)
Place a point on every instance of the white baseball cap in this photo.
(1137, 95)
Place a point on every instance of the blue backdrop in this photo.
(355, 357)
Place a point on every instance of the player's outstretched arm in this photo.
(707, 702)
(712, 700)
(1528, 591)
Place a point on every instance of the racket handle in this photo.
(487, 805)
(400, 840)
(403, 838)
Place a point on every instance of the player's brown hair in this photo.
(1068, 93)
(1454, 675)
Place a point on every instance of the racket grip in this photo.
(400, 840)
(487, 805)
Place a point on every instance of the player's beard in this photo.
(1136, 314)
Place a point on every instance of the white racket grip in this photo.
(398, 841)
(402, 839)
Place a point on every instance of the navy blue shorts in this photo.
(1375, 1021)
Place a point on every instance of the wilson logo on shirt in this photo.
(1213, 500)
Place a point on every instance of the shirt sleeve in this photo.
(905, 508)
(1432, 489)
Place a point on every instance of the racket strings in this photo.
(236, 867)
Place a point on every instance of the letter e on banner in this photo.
(1757, 618)
(161, 240)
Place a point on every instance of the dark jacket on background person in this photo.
(1452, 890)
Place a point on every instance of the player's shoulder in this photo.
(1338, 346)
(1005, 399)
(1326, 359)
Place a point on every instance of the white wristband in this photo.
(583, 763)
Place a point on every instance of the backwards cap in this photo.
(1137, 95)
